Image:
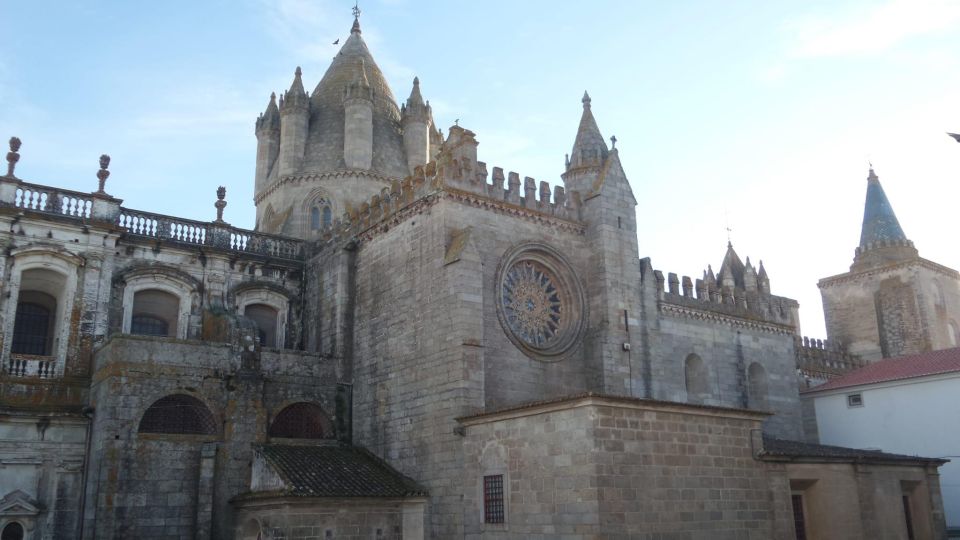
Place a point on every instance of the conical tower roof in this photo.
(325, 140)
(879, 221)
(589, 148)
(882, 240)
(731, 268)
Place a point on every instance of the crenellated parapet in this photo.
(456, 175)
(757, 305)
(738, 290)
(819, 360)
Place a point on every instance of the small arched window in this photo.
(327, 216)
(321, 214)
(314, 218)
(265, 318)
(178, 414)
(301, 421)
(13, 531)
(155, 313)
(757, 387)
(953, 334)
(695, 375)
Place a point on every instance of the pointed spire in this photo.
(589, 147)
(762, 273)
(356, 19)
(415, 97)
(297, 86)
(880, 224)
(296, 97)
(731, 271)
(270, 119)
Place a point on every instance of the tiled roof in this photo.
(794, 449)
(894, 369)
(337, 471)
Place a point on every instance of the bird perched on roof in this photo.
(956, 136)
(337, 41)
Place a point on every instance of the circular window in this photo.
(540, 302)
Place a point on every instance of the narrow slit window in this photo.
(799, 523)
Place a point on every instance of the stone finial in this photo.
(613, 142)
(13, 156)
(103, 173)
(220, 204)
(585, 100)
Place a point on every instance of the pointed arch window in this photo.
(321, 215)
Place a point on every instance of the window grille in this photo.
(178, 414)
(148, 325)
(301, 421)
(31, 329)
(493, 511)
(799, 524)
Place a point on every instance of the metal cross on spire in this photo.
(356, 10)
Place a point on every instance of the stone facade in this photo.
(412, 294)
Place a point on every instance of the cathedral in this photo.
(413, 345)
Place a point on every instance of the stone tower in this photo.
(323, 154)
(609, 209)
(892, 302)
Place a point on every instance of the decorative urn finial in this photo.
(220, 204)
(103, 173)
(13, 156)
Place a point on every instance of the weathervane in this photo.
(356, 10)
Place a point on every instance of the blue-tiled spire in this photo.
(879, 222)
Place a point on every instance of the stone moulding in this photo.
(316, 177)
(847, 277)
(538, 292)
(700, 315)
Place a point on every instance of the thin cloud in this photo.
(876, 29)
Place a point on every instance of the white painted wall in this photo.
(916, 417)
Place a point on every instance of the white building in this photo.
(905, 405)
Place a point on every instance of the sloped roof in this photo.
(337, 471)
(774, 447)
(894, 369)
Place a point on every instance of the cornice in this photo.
(719, 318)
(863, 274)
(317, 176)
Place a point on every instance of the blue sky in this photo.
(760, 115)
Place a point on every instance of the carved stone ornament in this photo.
(540, 302)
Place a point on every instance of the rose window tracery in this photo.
(540, 302)
(532, 304)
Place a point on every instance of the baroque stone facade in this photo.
(409, 345)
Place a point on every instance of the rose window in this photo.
(540, 302)
(531, 303)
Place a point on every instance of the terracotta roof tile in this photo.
(795, 449)
(894, 369)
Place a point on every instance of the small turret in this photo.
(358, 118)
(762, 280)
(417, 119)
(589, 154)
(294, 120)
(750, 277)
(268, 143)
